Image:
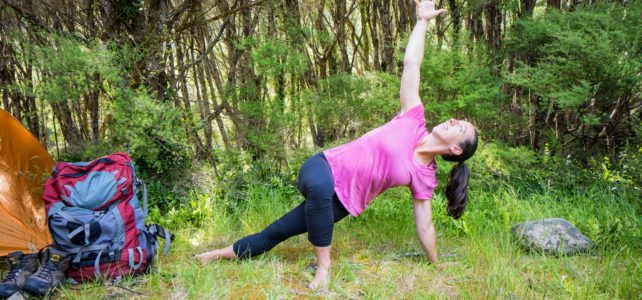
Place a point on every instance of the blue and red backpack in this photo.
(94, 214)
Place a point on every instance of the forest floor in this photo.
(481, 267)
(374, 260)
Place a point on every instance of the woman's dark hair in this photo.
(457, 186)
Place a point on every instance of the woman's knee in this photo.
(318, 188)
(321, 237)
(318, 206)
(315, 177)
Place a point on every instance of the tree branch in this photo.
(234, 10)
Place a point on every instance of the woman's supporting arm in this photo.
(409, 91)
(425, 229)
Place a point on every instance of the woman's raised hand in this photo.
(426, 10)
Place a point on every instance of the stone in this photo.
(553, 236)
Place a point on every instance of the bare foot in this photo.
(223, 253)
(205, 258)
(321, 279)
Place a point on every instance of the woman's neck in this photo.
(423, 153)
(426, 150)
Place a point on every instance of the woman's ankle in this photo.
(228, 252)
(323, 257)
(325, 266)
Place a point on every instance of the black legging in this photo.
(316, 215)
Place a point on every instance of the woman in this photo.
(344, 179)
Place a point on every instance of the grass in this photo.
(377, 256)
(372, 262)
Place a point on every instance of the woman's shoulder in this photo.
(416, 112)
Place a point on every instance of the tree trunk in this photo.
(456, 20)
(67, 124)
(493, 25)
(615, 118)
(475, 24)
(532, 123)
(187, 109)
(373, 12)
(388, 43)
(31, 108)
(218, 108)
(339, 27)
(156, 77)
(365, 42)
(213, 73)
(203, 99)
(527, 7)
(553, 4)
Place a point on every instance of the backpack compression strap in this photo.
(159, 231)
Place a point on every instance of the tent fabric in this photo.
(24, 166)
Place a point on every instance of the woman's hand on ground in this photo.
(443, 265)
(426, 10)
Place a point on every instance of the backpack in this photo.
(94, 214)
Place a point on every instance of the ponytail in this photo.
(457, 186)
(457, 190)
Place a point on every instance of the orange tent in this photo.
(24, 166)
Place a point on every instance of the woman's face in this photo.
(454, 132)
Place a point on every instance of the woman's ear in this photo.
(455, 150)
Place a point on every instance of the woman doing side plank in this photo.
(345, 179)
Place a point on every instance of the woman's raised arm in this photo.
(409, 92)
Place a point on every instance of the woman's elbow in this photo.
(426, 229)
(411, 62)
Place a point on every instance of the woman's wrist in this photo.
(421, 21)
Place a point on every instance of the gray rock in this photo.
(554, 236)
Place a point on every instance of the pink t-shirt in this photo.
(381, 159)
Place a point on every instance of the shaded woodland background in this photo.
(178, 81)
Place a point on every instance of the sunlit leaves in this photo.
(274, 57)
(459, 84)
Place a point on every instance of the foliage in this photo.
(273, 77)
(150, 131)
(459, 84)
(347, 106)
(581, 64)
(268, 121)
(133, 121)
(274, 57)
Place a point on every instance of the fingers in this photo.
(419, 2)
(431, 4)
